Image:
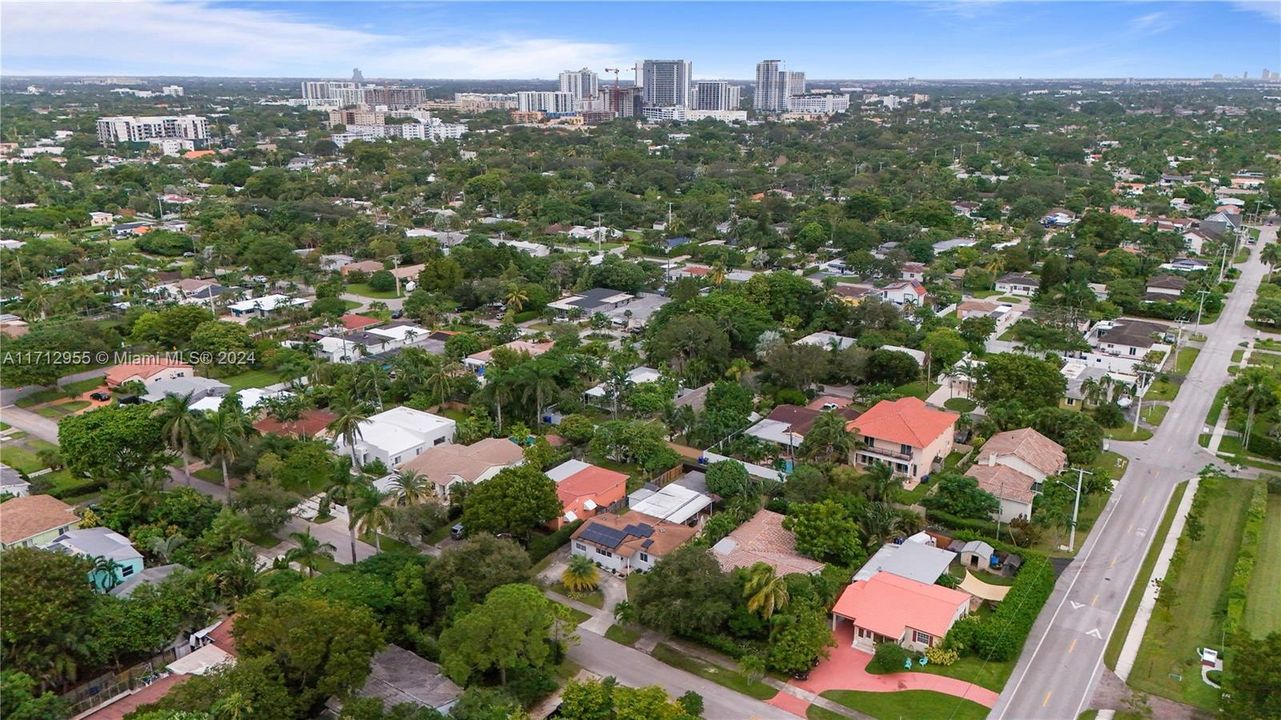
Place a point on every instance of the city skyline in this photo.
(987, 39)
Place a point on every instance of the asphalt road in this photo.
(1062, 660)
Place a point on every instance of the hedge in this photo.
(1239, 586)
(544, 545)
(1000, 636)
(986, 527)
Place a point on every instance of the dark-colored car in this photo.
(100, 396)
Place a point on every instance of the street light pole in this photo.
(1076, 506)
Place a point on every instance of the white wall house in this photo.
(398, 435)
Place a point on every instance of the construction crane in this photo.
(616, 71)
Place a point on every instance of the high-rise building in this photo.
(582, 83)
(715, 95)
(324, 89)
(545, 101)
(625, 101)
(665, 83)
(769, 92)
(129, 128)
(357, 75)
(793, 83)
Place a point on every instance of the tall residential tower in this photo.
(665, 83)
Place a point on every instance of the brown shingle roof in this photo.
(1029, 446)
(25, 517)
(442, 463)
(664, 538)
(1003, 482)
(763, 539)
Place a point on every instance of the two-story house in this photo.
(904, 293)
(904, 434)
(1013, 465)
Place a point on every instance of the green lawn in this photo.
(209, 474)
(1111, 464)
(731, 679)
(984, 293)
(82, 387)
(1189, 612)
(40, 397)
(1187, 356)
(919, 389)
(61, 410)
(984, 673)
(252, 379)
(389, 544)
(578, 615)
(452, 414)
(1126, 432)
(19, 458)
(1162, 390)
(1237, 355)
(1263, 604)
(594, 597)
(1265, 359)
(363, 290)
(959, 404)
(622, 635)
(1126, 618)
(908, 704)
(64, 485)
(1154, 414)
(1216, 407)
(439, 534)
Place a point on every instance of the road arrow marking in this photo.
(1076, 605)
(1095, 634)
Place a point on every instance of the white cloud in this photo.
(1153, 23)
(151, 37)
(1270, 9)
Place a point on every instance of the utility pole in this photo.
(1138, 406)
(1199, 306)
(1076, 507)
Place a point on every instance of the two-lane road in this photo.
(1062, 661)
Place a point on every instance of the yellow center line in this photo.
(1113, 563)
(1094, 601)
(1072, 646)
(1046, 701)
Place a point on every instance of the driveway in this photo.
(846, 669)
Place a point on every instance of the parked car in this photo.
(457, 531)
(100, 396)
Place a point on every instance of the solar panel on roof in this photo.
(602, 535)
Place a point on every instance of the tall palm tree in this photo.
(879, 522)
(369, 515)
(516, 298)
(308, 551)
(501, 389)
(369, 382)
(881, 484)
(441, 378)
(539, 381)
(827, 439)
(350, 414)
(107, 571)
(38, 298)
(1253, 386)
(223, 435)
(180, 426)
(580, 576)
(765, 591)
(1271, 255)
(408, 487)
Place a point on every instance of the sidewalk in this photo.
(1134, 638)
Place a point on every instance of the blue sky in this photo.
(855, 40)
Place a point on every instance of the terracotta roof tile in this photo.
(1029, 446)
(1003, 482)
(888, 604)
(763, 539)
(906, 421)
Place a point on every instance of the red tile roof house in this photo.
(890, 608)
(905, 434)
(148, 372)
(585, 490)
(1012, 466)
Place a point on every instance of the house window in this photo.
(606, 553)
(905, 449)
(439, 440)
(1070, 401)
(580, 546)
(644, 557)
(1134, 351)
(126, 571)
(396, 460)
(920, 637)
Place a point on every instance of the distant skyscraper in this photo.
(769, 93)
(582, 83)
(356, 75)
(715, 95)
(548, 102)
(665, 83)
(793, 83)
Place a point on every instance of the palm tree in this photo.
(617, 382)
(369, 515)
(107, 571)
(580, 576)
(624, 613)
(408, 487)
(223, 436)
(165, 547)
(180, 426)
(882, 486)
(827, 439)
(350, 415)
(38, 298)
(539, 380)
(515, 298)
(1271, 255)
(440, 379)
(879, 522)
(308, 551)
(500, 389)
(765, 591)
(369, 382)
(1252, 386)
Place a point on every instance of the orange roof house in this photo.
(312, 422)
(628, 542)
(148, 371)
(763, 539)
(358, 322)
(891, 608)
(585, 489)
(904, 434)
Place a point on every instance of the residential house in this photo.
(529, 248)
(853, 294)
(194, 388)
(101, 542)
(399, 677)
(787, 425)
(641, 375)
(1021, 284)
(674, 502)
(890, 608)
(34, 521)
(100, 219)
(763, 539)
(447, 466)
(478, 361)
(1195, 241)
(13, 483)
(1220, 224)
(1058, 217)
(148, 372)
(1013, 465)
(397, 435)
(905, 434)
(904, 293)
(250, 398)
(363, 266)
(1165, 288)
(912, 271)
(311, 423)
(1126, 337)
(590, 302)
(628, 542)
(585, 490)
(147, 576)
(335, 262)
(12, 326)
(827, 340)
(1080, 376)
(1185, 265)
(911, 559)
(266, 306)
(965, 208)
(358, 322)
(945, 246)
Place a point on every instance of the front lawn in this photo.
(19, 458)
(1127, 432)
(252, 379)
(63, 485)
(1189, 611)
(919, 389)
(40, 397)
(622, 635)
(363, 290)
(578, 616)
(592, 597)
(908, 704)
(972, 669)
(959, 404)
(389, 544)
(1162, 390)
(1154, 414)
(1263, 604)
(1187, 356)
(82, 387)
(731, 679)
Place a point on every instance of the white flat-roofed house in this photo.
(265, 306)
(636, 376)
(398, 435)
(827, 340)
